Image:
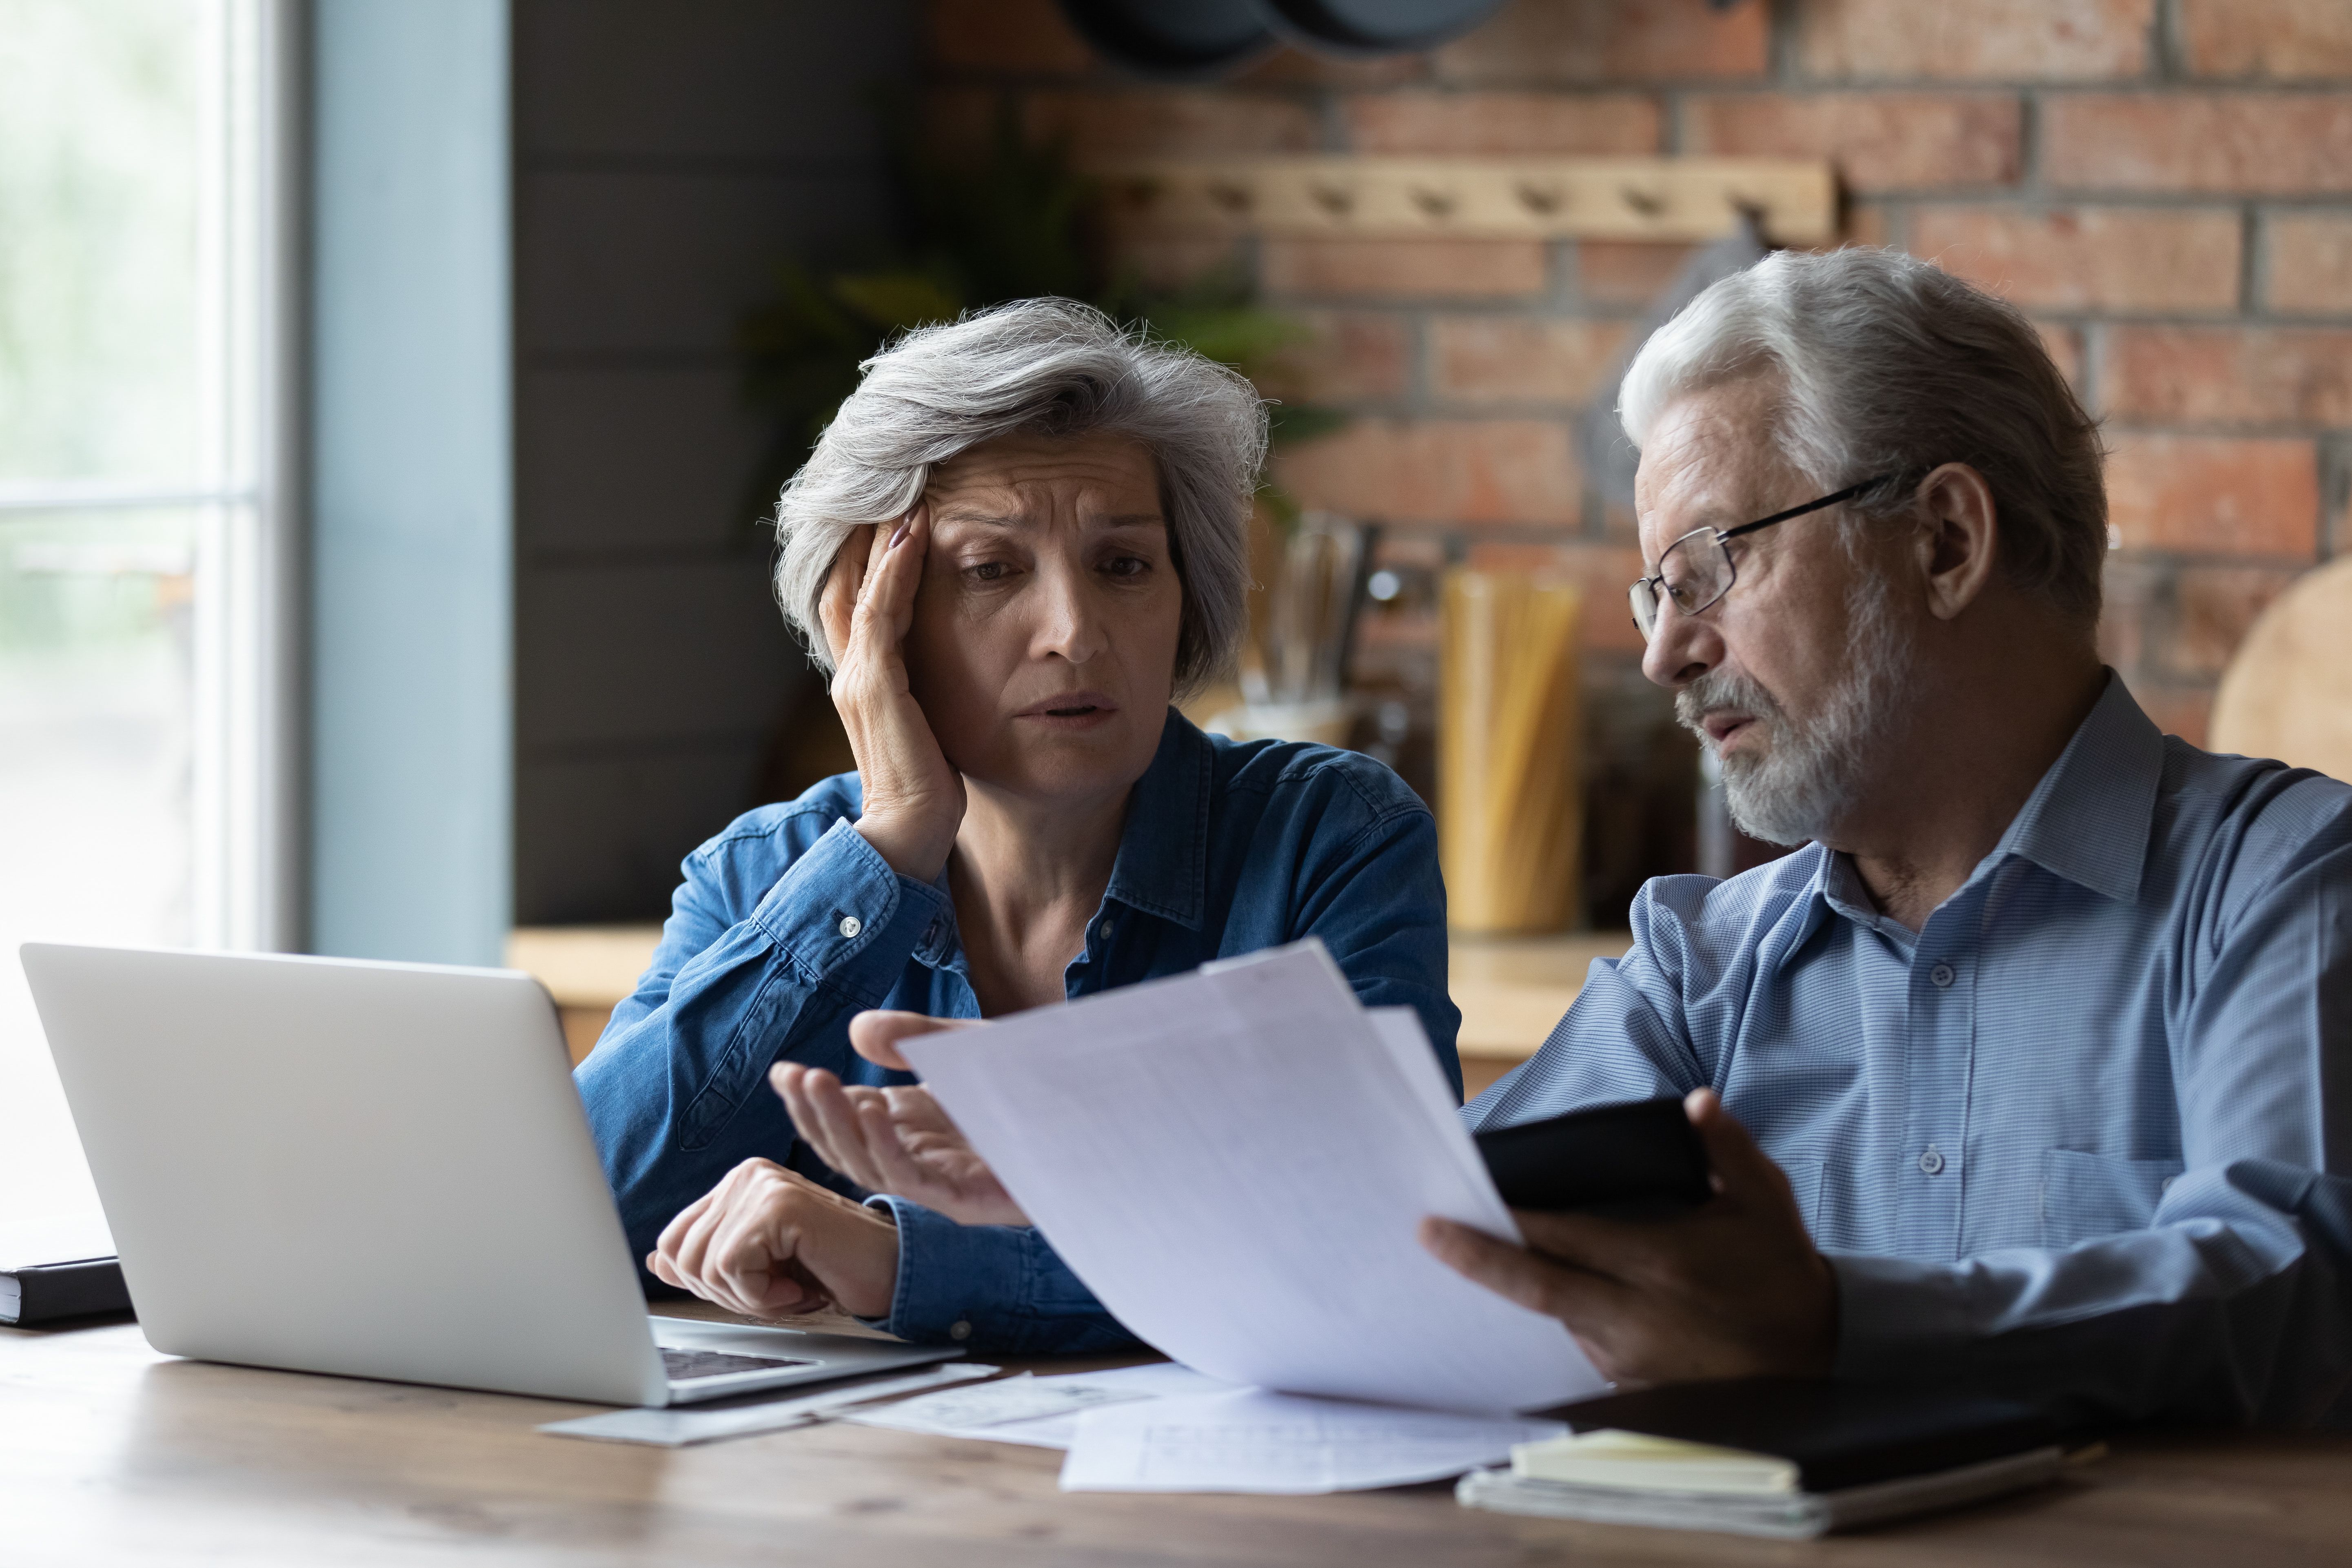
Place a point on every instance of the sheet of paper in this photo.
(681, 1426)
(1235, 1162)
(1041, 1412)
(1253, 1441)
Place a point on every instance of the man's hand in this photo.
(894, 1140)
(1734, 1289)
(770, 1244)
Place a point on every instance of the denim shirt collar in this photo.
(1163, 851)
(2088, 820)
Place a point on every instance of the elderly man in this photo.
(2034, 1069)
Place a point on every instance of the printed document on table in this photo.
(1041, 1412)
(1253, 1441)
(1235, 1162)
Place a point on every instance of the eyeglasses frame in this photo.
(1723, 536)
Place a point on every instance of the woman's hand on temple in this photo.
(914, 800)
(767, 1243)
(894, 1141)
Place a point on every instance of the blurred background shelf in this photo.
(1511, 990)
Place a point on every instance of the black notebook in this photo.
(58, 1269)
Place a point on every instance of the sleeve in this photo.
(2235, 1304)
(1378, 903)
(1625, 1036)
(675, 1090)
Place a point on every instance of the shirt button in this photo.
(851, 925)
(1106, 929)
(959, 1331)
(1941, 974)
(1931, 1160)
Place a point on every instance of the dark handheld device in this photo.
(1643, 1156)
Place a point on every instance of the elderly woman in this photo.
(1019, 540)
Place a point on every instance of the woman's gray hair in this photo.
(1888, 364)
(1051, 367)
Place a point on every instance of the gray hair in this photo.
(1051, 367)
(1888, 364)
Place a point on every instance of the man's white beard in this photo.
(1809, 777)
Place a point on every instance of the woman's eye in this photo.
(1128, 566)
(988, 572)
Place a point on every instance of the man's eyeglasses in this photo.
(1696, 570)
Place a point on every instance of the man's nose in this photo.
(1682, 648)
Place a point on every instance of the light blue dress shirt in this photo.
(2087, 1135)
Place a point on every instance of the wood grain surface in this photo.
(111, 1454)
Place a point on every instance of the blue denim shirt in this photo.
(789, 922)
(2087, 1134)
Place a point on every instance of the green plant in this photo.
(1014, 224)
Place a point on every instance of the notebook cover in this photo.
(65, 1290)
(1840, 1435)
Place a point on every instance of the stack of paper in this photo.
(1236, 1161)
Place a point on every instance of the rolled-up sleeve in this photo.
(676, 1089)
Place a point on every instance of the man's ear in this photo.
(1959, 538)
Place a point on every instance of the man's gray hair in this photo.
(1888, 364)
(1051, 367)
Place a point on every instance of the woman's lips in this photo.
(1072, 710)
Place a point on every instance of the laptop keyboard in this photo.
(685, 1365)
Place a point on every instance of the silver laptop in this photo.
(377, 1169)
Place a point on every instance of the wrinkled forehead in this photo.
(1019, 473)
(1710, 462)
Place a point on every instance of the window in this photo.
(142, 562)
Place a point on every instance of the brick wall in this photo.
(2165, 185)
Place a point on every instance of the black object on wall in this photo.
(1187, 39)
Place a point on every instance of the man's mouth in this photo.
(1721, 727)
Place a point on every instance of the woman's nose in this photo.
(1072, 625)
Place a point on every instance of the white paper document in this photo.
(1041, 1412)
(1253, 1441)
(1236, 1162)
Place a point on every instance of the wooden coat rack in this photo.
(1795, 200)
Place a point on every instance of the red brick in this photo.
(1297, 68)
(1879, 140)
(1169, 122)
(1626, 271)
(1162, 259)
(1501, 122)
(1986, 40)
(1602, 572)
(2270, 40)
(2129, 591)
(1440, 470)
(2310, 264)
(2219, 375)
(1541, 41)
(2215, 606)
(1516, 358)
(2182, 710)
(2208, 495)
(2271, 142)
(2095, 259)
(1026, 37)
(1404, 269)
(1349, 357)
(2064, 345)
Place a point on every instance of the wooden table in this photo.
(110, 1454)
(1511, 990)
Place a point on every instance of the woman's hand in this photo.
(894, 1140)
(770, 1244)
(914, 800)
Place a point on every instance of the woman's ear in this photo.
(1959, 538)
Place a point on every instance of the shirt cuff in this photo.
(1899, 1319)
(848, 921)
(953, 1280)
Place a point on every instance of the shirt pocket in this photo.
(1805, 1180)
(2084, 1195)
